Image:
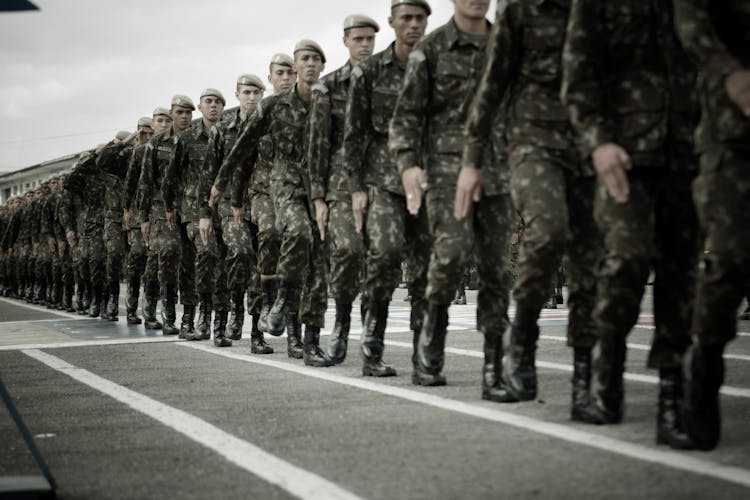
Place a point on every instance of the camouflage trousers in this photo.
(656, 228)
(485, 232)
(557, 208)
(264, 217)
(346, 252)
(722, 198)
(67, 275)
(315, 291)
(199, 269)
(116, 246)
(135, 265)
(392, 234)
(163, 260)
(240, 257)
(92, 258)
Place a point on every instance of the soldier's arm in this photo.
(241, 181)
(131, 178)
(319, 142)
(499, 70)
(211, 164)
(583, 61)
(145, 192)
(171, 181)
(358, 111)
(112, 159)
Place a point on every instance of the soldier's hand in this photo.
(215, 196)
(131, 138)
(145, 230)
(321, 216)
(238, 213)
(468, 191)
(171, 219)
(359, 207)
(51, 245)
(61, 248)
(414, 182)
(71, 237)
(737, 85)
(126, 217)
(612, 163)
(205, 227)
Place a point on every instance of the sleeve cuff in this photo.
(594, 137)
(472, 156)
(317, 191)
(405, 160)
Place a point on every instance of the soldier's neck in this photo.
(471, 26)
(304, 91)
(401, 50)
(208, 123)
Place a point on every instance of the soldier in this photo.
(329, 181)
(165, 240)
(628, 87)
(137, 259)
(236, 230)
(717, 35)
(377, 193)
(285, 117)
(66, 271)
(49, 221)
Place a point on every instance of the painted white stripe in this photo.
(90, 343)
(680, 461)
(41, 309)
(28, 321)
(652, 327)
(296, 481)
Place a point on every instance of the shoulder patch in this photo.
(319, 87)
(357, 72)
(417, 55)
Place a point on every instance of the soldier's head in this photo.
(409, 20)
(309, 61)
(211, 105)
(249, 92)
(161, 120)
(145, 131)
(181, 112)
(359, 37)
(281, 73)
(471, 10)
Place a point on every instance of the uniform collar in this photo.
(454, 38)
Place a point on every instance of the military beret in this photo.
(282, 60)
(310, 45)
(122, 135)
(418, 3)
(161, 111)
(360, 21)
(214, 93)
(183, 101)
(144, 121)
(249, 79)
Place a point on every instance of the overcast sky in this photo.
(77, 71)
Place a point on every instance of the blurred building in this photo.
(16, 183)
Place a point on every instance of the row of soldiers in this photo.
(581, 115)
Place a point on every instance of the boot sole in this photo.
(366, 372)
(437, 382)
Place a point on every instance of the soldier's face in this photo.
(160, 123)
(181, 117)
(145, 134)
(249, 96)
(409, 23)
(471, 9)
(211, 107)
(360, 42)
(281, 77)
(309, 65)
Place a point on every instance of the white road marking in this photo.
(680, 461)
(296, 481)
(29, 321)
(41, 309)
(90, 343)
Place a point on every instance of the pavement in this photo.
(118, 412)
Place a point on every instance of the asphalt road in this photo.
(119, 413)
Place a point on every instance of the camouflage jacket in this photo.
(627, 80)
(717, 35)
(130, 187)
(113, 161)
(156, 158)
(524, 68)
(86, 183)
(427, 126)
(328, 179)
(48, 216)
(180, 186)
(373, 91)
(284, 118)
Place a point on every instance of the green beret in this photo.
(249, 79)
(162, 111)
(282, 60)
(144, 121)
(214, 93)
(310, 45)
(360, 21)
(418, 3)
(122, 135)
(183, 101)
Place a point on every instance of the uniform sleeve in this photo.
(355, 129)
(499, 69)
(171, 182)
(112, 160)
(406, 129)
(65, 211)
(145, 192)
(211, 164)
(319, 143)
(583, 62)
(131, 178)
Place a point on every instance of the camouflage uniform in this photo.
(717, 35)
(66, 278)
(627, 81)
(427, 130)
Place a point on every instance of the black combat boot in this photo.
(113, 302)
(269, 286)
(88, 297)
(294, 347)
(203, 327)
(669, 428)
(607, 389)
(220, 329)
(150, 297)
(337, 345)
(519, 363)
(372, 340)
(277, 316)
(460, 296)
(68, 297)
(49, 297)
(37, 292)
(581, 382)
(168, 313)
(187, 326)
(97, 296)
(493, 385)
(431, 347)
(704, 373)
(81, 308)
(258, 344)
(237, 318)
(312, 353)
(132, 293)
